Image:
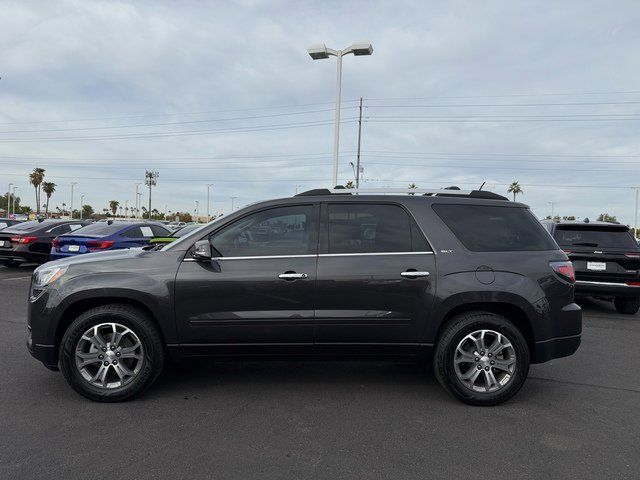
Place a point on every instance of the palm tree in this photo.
(412, 186)
(48, 188)
(350, 184)
(113, 205)
(516, 189)
(35, 178)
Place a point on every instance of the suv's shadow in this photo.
(193, 376)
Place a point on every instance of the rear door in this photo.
(376, 279)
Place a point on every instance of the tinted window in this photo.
(59, 230)
(159, 231)
(33, 225)
(582, 236)
(362, 228)
(278, 231)
(494, 229)
(186, 230)
(99, 229)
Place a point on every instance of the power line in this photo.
(508, 95)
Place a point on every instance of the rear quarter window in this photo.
(487, 228)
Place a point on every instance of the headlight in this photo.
(47, 275)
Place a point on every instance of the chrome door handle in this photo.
(292, 276)
(414, 274)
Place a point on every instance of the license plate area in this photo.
(5, 243)
(597, 266)
(73, 248)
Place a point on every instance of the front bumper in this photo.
(44, 353)
(587, 287)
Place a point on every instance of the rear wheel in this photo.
(627, 305)
(111, 353)
(481, 358)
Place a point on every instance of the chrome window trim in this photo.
(257, 257)
(372, 254)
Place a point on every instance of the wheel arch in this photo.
(510, 311)
(77, 308)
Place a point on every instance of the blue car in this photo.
(102, 236)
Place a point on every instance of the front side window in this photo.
(370, 228)
(277, 231)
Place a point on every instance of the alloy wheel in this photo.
(485, 361)
(109, 355)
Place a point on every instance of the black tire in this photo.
(11, 263)
(456, 330)
(133, 318)
(627, 305)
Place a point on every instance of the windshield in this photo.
(618, 238)
(181, 240)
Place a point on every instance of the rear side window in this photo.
(99, 229)
(483, 228)
(585, 236)
(369, 228)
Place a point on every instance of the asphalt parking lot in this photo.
(577, 417)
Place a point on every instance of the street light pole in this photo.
(9, 199)
(81, 205)
(197, 211)
(209, 185)
(319, 52)
(137, 208)
(232, 201)
(151, 179)
(71, 204)
(635, 225)
(552, 204)
(13, 203)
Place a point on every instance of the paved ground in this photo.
(575, 418)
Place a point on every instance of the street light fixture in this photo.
(320, 52)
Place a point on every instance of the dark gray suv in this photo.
(466, 281)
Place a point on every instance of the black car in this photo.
(466, 280)
(7, 222)
(31, 241)
(606, 258)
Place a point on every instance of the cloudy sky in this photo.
(458, 92)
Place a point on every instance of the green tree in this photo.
(515, 188)
(48, 188)
(412, 186)
(87, 211)
(35, 178)
(113, 206)
(605, 217)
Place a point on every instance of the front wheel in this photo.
(111, 353)
(481, 358)
(627, 305)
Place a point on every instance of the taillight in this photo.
(567, 251)
(564, 270)
(93, 245)
(23, 240)
(632, 255)
(56, 243)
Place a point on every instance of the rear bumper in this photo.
(564, 338)
(586, 287)
(555, 348)
(22, 255)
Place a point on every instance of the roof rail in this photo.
(444, 192)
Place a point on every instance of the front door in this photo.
(376, 280)
(258, 293)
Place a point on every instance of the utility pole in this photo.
(197, 211)
(232, 202)
(151, 180)
(81, 205)
(13, 202)
(358, 156)
(71, 204)
(137, 208)
(635, 225)
(552, 204)
(209, 185)
(9, 199)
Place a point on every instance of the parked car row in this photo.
(41, 240)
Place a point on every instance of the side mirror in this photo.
(202, 250)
